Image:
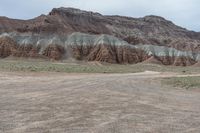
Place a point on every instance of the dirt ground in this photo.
(95, 103)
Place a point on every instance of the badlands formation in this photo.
(72, 33)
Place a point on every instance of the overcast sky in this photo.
(185, 13)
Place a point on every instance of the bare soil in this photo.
(95, 103)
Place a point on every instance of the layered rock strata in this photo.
(69, 32)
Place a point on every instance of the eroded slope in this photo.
(69, 32)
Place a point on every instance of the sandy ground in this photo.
(95, 103)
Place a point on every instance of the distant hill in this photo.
(69, 32)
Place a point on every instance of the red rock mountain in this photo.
(69, 32)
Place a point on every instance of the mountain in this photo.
(69, 32)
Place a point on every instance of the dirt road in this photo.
(95, 103)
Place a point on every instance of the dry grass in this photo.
(183, 82)
(86, 67)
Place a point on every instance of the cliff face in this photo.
(91, 36)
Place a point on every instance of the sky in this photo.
(185, 13)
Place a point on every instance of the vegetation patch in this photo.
(39, 65)
(183, 82)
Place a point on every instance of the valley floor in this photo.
(97, 103)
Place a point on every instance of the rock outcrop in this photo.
(80, 46)
(7, 47)
(91, 36)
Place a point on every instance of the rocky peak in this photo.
(156, 20)
(154, 17)
(64, 11)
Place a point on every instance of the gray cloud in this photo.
(182, 12)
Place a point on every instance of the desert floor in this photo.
(95, 103)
